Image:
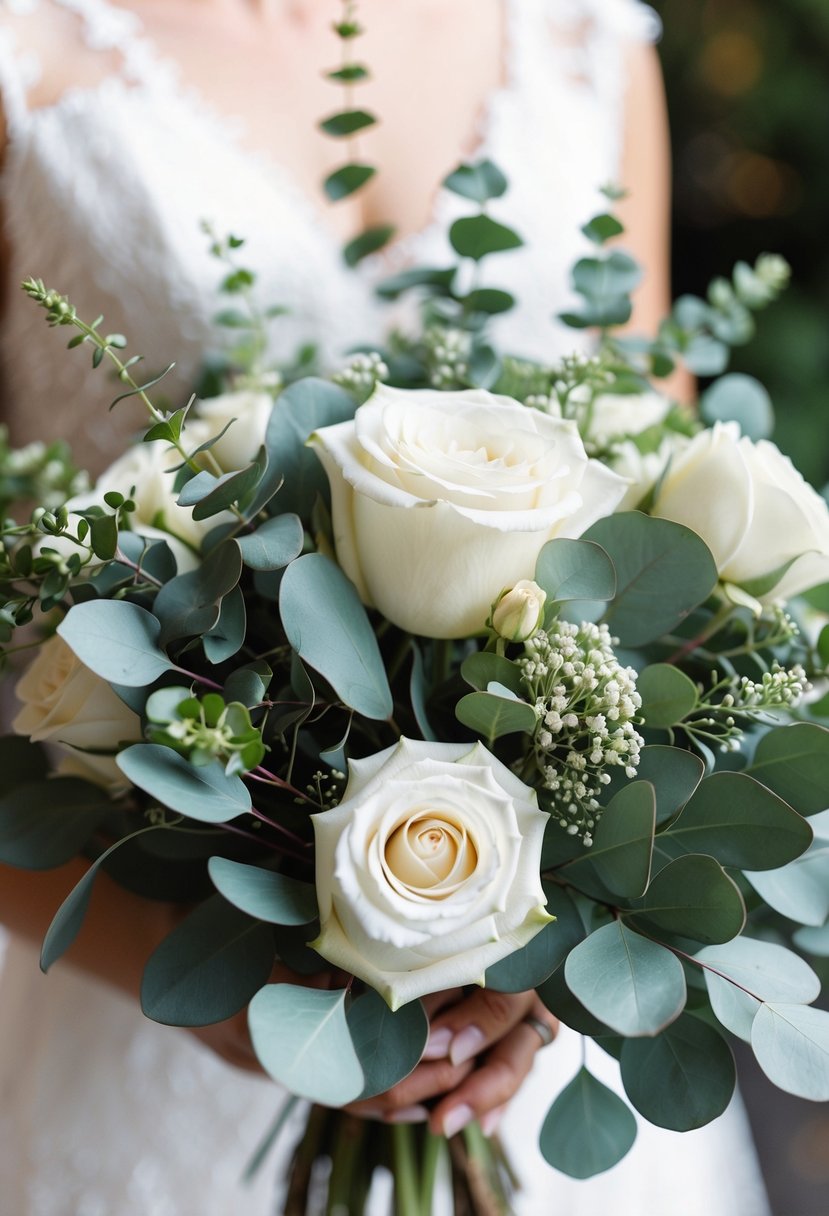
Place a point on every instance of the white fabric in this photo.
(103, 1113)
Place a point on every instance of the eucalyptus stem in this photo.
(713, 627)
(406, 1194)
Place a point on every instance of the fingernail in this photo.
(457, 1118)
(490, 1121)
(466, 1044)
(408, 1114)
(438, 1044)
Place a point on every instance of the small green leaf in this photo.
(388, 1045)
(203, 793)
(249, 684)
(619, 860)
(691, 897)
(103, 536)
(681, 1079)
(304, 407)
(614, 275)
(347, 122)
(478, 235)
(668, 696)
(575, 570)
(328, 628)
(189, 604)
(368, 242)
(268, 896)
(603, 228)
(302, 1039)
(208, 968)
(347, 180)
(532, 964)
(350, 74)
(588, 1129)
(209, 495)
(705, 356)
(274, 544)
(673, 772)
(494, 716)
(227, 637)
(633, 985)
(741, 399)
(791, 1043)
(416, 276)
(488, 300)
(482, 668)
(480, 182)
(116, 640)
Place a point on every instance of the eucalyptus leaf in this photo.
(682, 1078)
(800, 890)
(203, 793)
(691, 897)
(740, 822)
(813, 940)
(303, 407)
(489, 300)
(633, 985)
(791, 1044)
(208, 968)
(575, 570)
(530, 966)
(328, 628)
(44, 824)
(265, 894)
(480, 182)
(189, 605)
(619, 860)
(673, 772)
(347, 180)
(388, 1045)
(607, 276)
(274, 544)
(668, 696)
(117, 640)
(302, 1040)
(368, 242)
(483, 668)
(494, 716)
(663, 572)
(476, 236)
(736, 969)
(741, 399)
(793, 761)
(347, 122)
(588, 1129)
(249, 684)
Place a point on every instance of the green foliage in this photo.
(302, 1039)
(496, 713)
(347, 181)
(117, 640)
(265, 894)
(274, 544)
(743, 399)
(44, 824)
(794, 762)
(575, 570)
(694, 898)
(479, 182)
(476, 236)
(668, 696)
(328, 628)
(208, 968)
(388, 1045)
(304, 407)
(791, 1043)
(631, 984)
(205, 793)
(588, 1129)
(682, 1078)
(530, 966)
(800, 890)
(741, 974)
(619, 860)
(370, 241)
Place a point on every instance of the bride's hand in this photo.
(480, 1049)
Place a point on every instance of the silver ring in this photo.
(542, 1029)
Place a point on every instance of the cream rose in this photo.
(428, 870)
(245, 414)
(614, 415)
(442, 499)
(67, 704)
(751, 507)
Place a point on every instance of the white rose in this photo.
(442, 499)
(751, 507)
(67, 704)
(428, 870)
(613, 415)
(520, 611)
(247, 412)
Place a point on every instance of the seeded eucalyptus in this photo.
(345, 125)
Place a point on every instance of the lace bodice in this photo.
(104, 191)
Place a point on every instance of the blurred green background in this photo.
(748, 98)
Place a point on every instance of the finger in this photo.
(490, 1086)
(406, 1101)
(476, 1023)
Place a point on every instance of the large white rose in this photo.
(440, 500)
(428, 870)
(67, 704)
(751, 507)
(613, 415)
(245, 414)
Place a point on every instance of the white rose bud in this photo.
(428, 870)
(245, 414)
(520, 611)
(441, 499)
(67, 704)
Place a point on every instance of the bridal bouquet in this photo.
(449, 669)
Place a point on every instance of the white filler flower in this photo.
(428, 870)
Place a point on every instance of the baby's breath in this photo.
(362, 373)
(447, 356)
(587, 705)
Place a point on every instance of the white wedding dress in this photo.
(103, 1113)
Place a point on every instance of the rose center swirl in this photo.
(429, 854)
